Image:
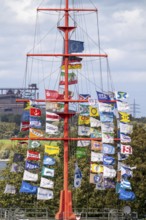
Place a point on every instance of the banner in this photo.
(33, 155)
(44, 194)
(94, 123)
(46, 183)
(93, 111)
(31, 166)
(10, 189)
(51, 129)
(35, 112)
(51, 150)
(108, 149)
(35, 133)
(49, 161)
(83, 120)
(47, 172)
(83, 131)
(96, 146)
(96, 157)
(121, 95)
(126, 149)
(50, 116)
(28, 188)
(30, 176)
(96, 168)
(125, 117)
(83, 143)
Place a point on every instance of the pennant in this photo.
(31, 166)
(35, 122)
(18, 157)
(107, 127)
(35, 112)
(108, 149)
(125, 138)
(51, 94)
(28, 188)
(124, 117)
(93, 111)
(83, 131)
(95, 133)
(48, 160)
(126, 128)
(94, 123)
(123, 106)
(96, 157)
(126, 149)
(83, 109)
(72, 79)
(46, 183)
(47, 172)
(72, 66)
(24, 126)
(104, 107)
(107, 160)
(83, 143)
(121, 95)
(106, 116)
(52, 116)
(35, 133)
(96, 146)
(52, 150)
(84, 96)
(16, 168)
(102, 97)
(51, 129)
(33, 144)
(108, 138)
(30, 176)
(77, 176)
(96, 168)
(33, 155)
(83, 120)
(96, 178)
(81, 152)
(109, 172)
(125, 184)
(10, 189)
(126, 195)
(75, 46)
(25, 116)
(44, 194)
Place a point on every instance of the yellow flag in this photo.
(124, 117)
(83, 120)
(96, 168)
(93, 111)
(51, 150)
(72, 66)
(35, 133)
(27, 105)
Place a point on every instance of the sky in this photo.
(122, 34)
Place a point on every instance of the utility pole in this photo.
(135, 108)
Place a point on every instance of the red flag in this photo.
(51, 94)
(35, 112)
(24, 126)
(33, 155)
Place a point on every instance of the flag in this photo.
(83, 143)
(94, 123)
(96, 157)
(107, 127)
(73, 59)
(104, 107)
(51, 150)
(125, 184)
(51, 106)
(35, 122)
(16, 168)
(50, 116)
(28, 188)
(81, 152)
(121, 95)
(33, 155)
(30, 176)
(44, 194)
(31, 166)
(72, 66)
(24, 126)
(102, 97)
(106, 116)
(72, 78)
(47, 172)
(60, 107)
(10, 189)
(27, 105)
(33, 144)
(108, 149)
(125, 138)
(126, 172)
(126, 149)
(83, 109)
(123, 106)
(25, 116)
(124, 117)
(35, 133)
(75, 46)
(35, 112)
(126, 195)
(48, 160)
(77, 176)
(109, 172)
(92, 102)
(51, 94)
(96, 168)
(83, 120)
(46, 183)
(96, 146)
(95, 133)
(18, 157)
(109, 184)
(96, 178)
(51, 129)
(108, 138)
(122, 156)
(108, 160)
(93, 111)
(84, 96)
(126, 128)
(83, 131)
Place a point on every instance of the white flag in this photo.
(44, 194)
(83, 131)
(104, 107)
(123, 106)
(48, 172)
(50, 116)
(51, 129)
(109, 172)
(107, 138)
(94, 123)
(10, 189)
(126, 149)
(83, 143)
(107, 127)
(46, 183)
(30, 176)
(96, 157)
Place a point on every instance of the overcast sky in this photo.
(123, 37)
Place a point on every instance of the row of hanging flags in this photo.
(38, 170)
(96, 119)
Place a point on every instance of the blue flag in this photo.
(101, 96)
(25, 115)
(31, 166)
(108, 149)
(77, 176)
(75, 46)
(126, 195)
(107, 160)
(48, 160)
(28, 188)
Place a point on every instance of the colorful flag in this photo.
(108, 160)
(126, 149)
(121, 95)
(24, 126)
(81, 152)
(108, 149)
(75, 46)
(33, 155)
(18, 157)
(31, 166)
(125, 117)
(10, 189)
(50, 116)
(96, 168)
(125, 184)
(48, 160)
(51, 129)
(28, 188)
(126, 195)
(109, 172)
(102, 97)
(83, 120)
(44, 194)
(51, 94)
(35, 133)
(123, 106)
(33, 144)
(83, 131)
(35, 112)
(84, 96)
(73, 59)
(72, 66)
(83, 109)
(83, 143)
(47, 172)
(96, 146)
(95, 133)
(77, 176)
(94, 123)
(93, 111)
(96, 157)
(30, 176)
(51, 150)
(104, 107)
(72, 78)
(46, 183)
(35, 122)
